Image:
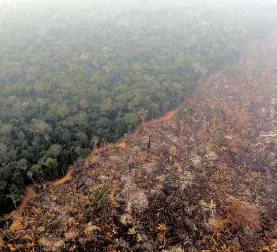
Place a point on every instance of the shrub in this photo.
(100, 200)
(218, 225)
(244, 214)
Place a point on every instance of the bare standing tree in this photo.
(149, 141)
(143, 114)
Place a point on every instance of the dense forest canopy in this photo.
(74, 71)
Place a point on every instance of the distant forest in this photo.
(71, 72)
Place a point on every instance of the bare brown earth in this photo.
(29, 195)
(208, 183)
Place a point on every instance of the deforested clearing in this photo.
(203, 180)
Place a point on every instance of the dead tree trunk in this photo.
(149, 142)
